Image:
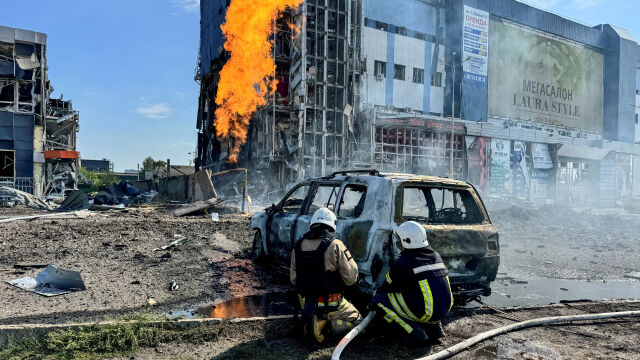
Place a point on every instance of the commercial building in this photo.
(103, 165)
(546, 108)
(37, 134)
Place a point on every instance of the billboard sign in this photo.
(475, 45)
(541, 78)
(500, 179)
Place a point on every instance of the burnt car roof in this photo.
(394, 177)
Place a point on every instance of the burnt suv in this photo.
(370, 205)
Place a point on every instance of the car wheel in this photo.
(257, 252)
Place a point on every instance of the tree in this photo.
(160, 163)
(149, 164)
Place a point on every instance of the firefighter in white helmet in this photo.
(416, 293)
(321, 266)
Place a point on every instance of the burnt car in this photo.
(370, 205)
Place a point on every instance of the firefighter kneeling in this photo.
(320, 267)
(416, 293)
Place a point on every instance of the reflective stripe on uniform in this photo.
(396, 306)
(450, 293)
(423, 268)
(428, 300)
(388, 278)
(391, 316)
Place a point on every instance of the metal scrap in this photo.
(175, 243)
(51, 281)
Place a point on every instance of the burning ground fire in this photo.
(248, 75)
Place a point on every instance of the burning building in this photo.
(37, 134)
(545, 107)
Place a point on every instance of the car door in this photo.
(321, 194)
(282, 220)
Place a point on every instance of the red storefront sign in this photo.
(420, 123)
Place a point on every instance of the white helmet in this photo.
(324, 216)
(412, 235)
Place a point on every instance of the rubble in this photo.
(15, 197)
(197, 206)
(177, 242)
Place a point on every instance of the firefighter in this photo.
(416, 293)
(321, 266)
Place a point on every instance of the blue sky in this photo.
(128, 65)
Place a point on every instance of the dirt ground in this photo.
(114, 253)
(606, 339)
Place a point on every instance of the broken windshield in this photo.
(436, 205)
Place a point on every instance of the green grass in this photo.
(97, 342)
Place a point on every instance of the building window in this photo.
(398, 72)
(418, 76)
(401, 30)
(381, 26)
(380, 68)
(436, 79)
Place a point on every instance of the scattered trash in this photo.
(146, 197)
(215, 217)
(166, 256)
(136, 282)
(152, 302)
(564, 289)
(51, 281)
(196, 206)
(13, 197)
(67, 215)
(180, 239)
(173, 286)
(548, 262)
(76, 200)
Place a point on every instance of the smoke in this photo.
(248, 75)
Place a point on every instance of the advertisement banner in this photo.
(477, 161)
(541, 156)
(500, 180)
(540, 78)
(520, 169)
(475, 45)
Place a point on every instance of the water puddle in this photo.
(546, 291)
(244, 307)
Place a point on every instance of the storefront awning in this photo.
(583, 152)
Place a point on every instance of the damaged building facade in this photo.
(37, 134)
(545, 107)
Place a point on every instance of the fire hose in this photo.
(351, 335)
(449, 352)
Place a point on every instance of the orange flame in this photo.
(249, 72)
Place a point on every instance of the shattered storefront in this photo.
(418, 145)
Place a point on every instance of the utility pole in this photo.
(453, 66)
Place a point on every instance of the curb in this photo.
(39, 331)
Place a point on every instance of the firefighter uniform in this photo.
(321, 266)
(416, 293)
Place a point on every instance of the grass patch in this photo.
(97, 342)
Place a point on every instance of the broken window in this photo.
(325, 196)
(380, 68)
(293, 203)
(432, 205)
(436, 79)
(418, 76)
(332, 47)
(398, 72)
(352, 203)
